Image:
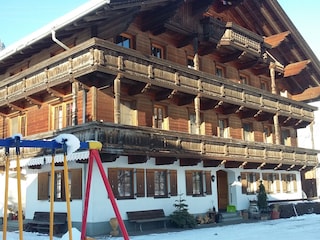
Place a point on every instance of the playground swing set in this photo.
(64, 142)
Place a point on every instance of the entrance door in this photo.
(223, 193)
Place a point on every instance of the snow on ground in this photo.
(301, 227)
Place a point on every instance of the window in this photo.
(157, 51)
(124, 40)
(198, 183)
(219, 71)
(285, 137)
(223, 128)
(127, 113)
(75, 185)
(161, 183)
(250, 182)
(267, 134)
(130, 183)
(244, 79)
(289, 183)
(271, 182)
(248, 134)
(62, 115)
(126, 183)
(190, 62)
(18, 125)
(158, 116)
(264, 85)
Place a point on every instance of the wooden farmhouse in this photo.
(199, 99)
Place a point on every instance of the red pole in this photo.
(110, 193)
(86, 201)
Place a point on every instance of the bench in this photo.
(41, 222)
(140, 217)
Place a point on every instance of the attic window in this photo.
(124, 40)
(157, 50)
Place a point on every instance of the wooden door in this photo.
(223, 190)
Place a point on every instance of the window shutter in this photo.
(113, 180)
(276, 177)
(150, 183)
(189, 183)
(266, 182)
(294, 179)
(244, 183)
(284, 182)
(257, 176)
(43, 186)
(76, 183)
(173, 183)
(208, 183)
(140, 182)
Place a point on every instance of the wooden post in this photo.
(117, 86)
(75, 89)
(272, 68)
(197, 112)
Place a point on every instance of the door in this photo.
(223, 193)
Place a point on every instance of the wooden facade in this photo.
(198, 83)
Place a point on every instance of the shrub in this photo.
(181, 218)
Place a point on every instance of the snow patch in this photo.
(72, 142)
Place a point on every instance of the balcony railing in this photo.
(100, 55)
(131, 140)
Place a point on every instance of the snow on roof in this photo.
(54, 25)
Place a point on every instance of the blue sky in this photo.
(19, 18)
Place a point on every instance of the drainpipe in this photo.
(61, 44)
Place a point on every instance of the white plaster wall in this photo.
(12, 193)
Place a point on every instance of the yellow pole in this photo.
(20, 218)
(52, 198)
(5, 208)
(67, 191)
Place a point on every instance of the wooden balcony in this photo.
(104, 60)
(141, 143)
(233, 43)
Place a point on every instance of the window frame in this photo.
(250, 182)
(75, 189)
(247, 131)
(21, 125)
(244, 79)
(156, 119)
(224, 129)
(125, 37)
(198, 183)
(65, 119)
(289, 182)
(285, 136)
(157, 50)
(219, 71)
(267, 134)
(271, 182)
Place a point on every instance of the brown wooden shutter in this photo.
(284, 182)
(266, 182)
(43, 186)
(208, 183)
(150, 183)
(244, 183)
(294, 179)
(257, 176)
(140, 182)
(76, 183)
(276, 177)
(189, 183)
(173, 183)
(113, 180)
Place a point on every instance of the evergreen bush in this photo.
(181, 218)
